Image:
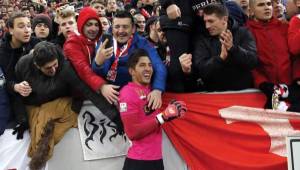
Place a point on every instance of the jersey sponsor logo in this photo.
(123, 107)
(2, 79)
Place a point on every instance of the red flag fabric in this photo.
(217, 133)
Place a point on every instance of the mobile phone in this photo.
(110, 40)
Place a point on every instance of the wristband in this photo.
(160, 118)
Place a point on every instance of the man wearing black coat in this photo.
(4, 104)
(176, 21)
(16, 43)
(223, 60)
(50, 106)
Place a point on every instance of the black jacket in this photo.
(45, 88)
(59, 40)
(190, 14)
(235, 72)
(4, 104)
(185, 22)
(8, 59)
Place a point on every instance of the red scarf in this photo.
(120, 51)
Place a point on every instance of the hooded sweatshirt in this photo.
(80, 50)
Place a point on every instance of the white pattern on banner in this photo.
(98, 135)
(275, 123)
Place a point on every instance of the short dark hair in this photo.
(11, 20)
(25, 9)
(151, 21)
(45, 52)
(135, 56)
(124, 14)
(218, 9)
(31, 5)
(102, 2)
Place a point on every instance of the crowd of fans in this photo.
(59, 53)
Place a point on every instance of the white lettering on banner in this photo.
(275, 123)
(202, 4)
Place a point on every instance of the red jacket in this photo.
(273, 52)
(294, 45)
(80, 50)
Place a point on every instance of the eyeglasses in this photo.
(42, 25)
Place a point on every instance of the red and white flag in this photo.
(231, 131)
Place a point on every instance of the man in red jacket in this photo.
(80, 48)
(293, 13)
(272, 47)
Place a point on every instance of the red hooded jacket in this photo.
(80, 50)
(294, 44)
(273, 52)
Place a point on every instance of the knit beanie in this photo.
(42, 18)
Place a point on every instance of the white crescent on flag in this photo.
(275, 123)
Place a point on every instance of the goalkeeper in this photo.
(143, 125)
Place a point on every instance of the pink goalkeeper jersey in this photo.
(139, 124)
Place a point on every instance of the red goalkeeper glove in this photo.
(174, 110)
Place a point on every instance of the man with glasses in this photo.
(110, 61)
(42, 27)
